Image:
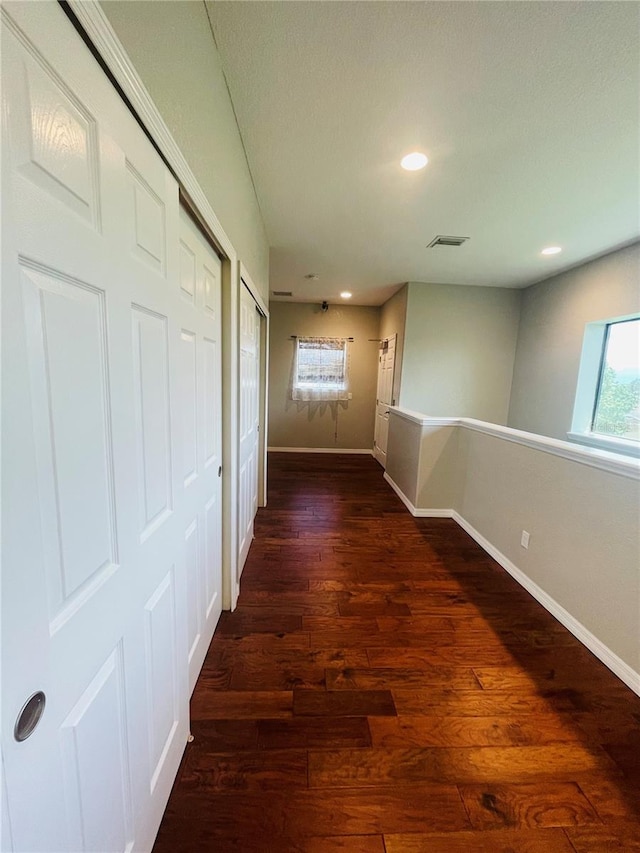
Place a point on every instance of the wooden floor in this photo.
(385, 686)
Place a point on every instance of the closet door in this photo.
(249, 421)
(94, 545)
(201, 438)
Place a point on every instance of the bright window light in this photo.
(617, 407)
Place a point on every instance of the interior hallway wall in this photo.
(172, 49)
(338, 425)
(459, 350)
(552, 323)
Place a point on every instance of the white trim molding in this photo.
(423, 420)
(414, 510)
(365, 451)
(615, 463)
(606, 442)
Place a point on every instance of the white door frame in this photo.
(263, 380)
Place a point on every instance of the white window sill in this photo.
(606, 442)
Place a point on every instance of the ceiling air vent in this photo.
(442, 240)
(282, 293)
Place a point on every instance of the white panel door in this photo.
(249, 421)
(384, 399)
(94, 541)
(200, 438)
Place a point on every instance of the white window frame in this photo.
(595, 338)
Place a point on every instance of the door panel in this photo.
(153, 418)
(386, 367)
(249, 421)
(95, 733)
(200, 300)
(99, 434)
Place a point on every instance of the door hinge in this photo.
(219, 470)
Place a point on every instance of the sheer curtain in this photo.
(321, 369)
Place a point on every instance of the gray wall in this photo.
(310, 424)
(584, 549)
(552, 322)
(173, 51)
(459, 350)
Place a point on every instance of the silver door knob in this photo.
(29, 716)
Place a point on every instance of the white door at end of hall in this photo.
(249, 421)
(384, 399)
(201, 437)
(93, 592)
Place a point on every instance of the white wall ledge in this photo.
(614, 463)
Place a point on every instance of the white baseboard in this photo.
(610, 659)
(360, 451)
(418, 513)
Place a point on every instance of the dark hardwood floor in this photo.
(384, 685)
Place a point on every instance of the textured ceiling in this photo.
(528, 112)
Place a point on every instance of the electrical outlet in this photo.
(524, 539)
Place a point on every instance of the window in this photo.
(607, 408)
(320, 369)
(617, 409)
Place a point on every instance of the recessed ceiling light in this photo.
(345, 294)
(551, 250)
(414, 161)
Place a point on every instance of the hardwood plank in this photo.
(243, 771)
(343, 703)
(617, 800)
(537, 677)
(225, 735)
(502, 841)
(359, 812)
(543, 804)
(342, 844)
(373, 608)
(389, 766)
(314, 733)
(472, 731)
(477, 703)
(241, 704)
(227, 650)
(352, 678)
(373, 586)
(249, 676)
(444, 654)
(348, 624)
(243, 623)
(605, 839)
